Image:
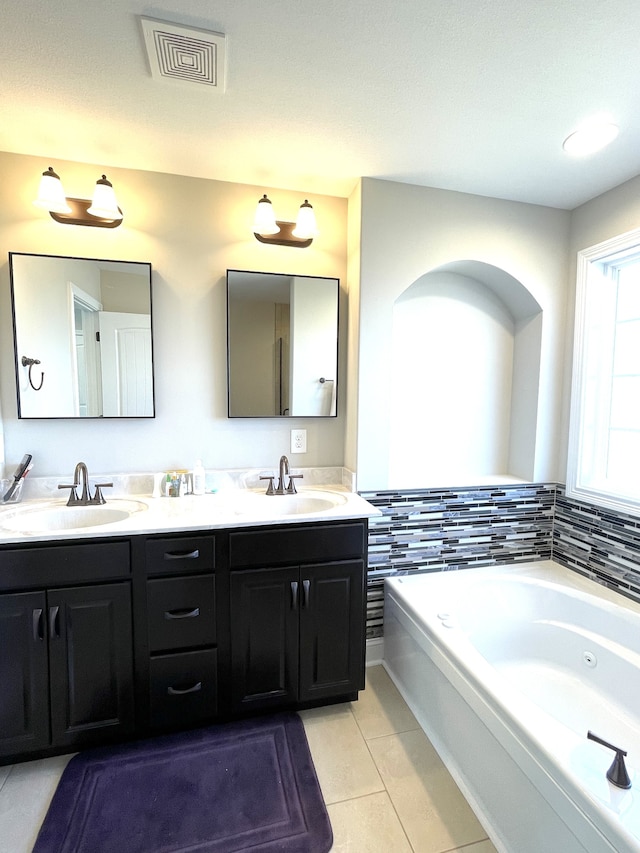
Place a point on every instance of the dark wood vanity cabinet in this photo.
(296, 635)
(66, 652)
(108, 639)
(181, 631)
(297, 632)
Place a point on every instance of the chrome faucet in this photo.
(81, 478)
(81, 469)
(283, 472)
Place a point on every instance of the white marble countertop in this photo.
(48, 520)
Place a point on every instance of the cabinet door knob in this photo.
(294, 595)
(38, 625)
(306, 589)
(54, 622)
(182, 555)
(181, 691)
(185, 613)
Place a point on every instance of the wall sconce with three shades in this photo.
(101, 211)
(268, 229)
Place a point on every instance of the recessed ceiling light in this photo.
(591, 137)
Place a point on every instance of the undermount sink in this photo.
(301, 503)
(59, 516)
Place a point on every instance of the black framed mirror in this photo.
(282, 345)
(83, 337)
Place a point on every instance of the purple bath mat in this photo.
(249, 785)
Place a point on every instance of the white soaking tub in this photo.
(506, 670)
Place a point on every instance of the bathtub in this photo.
(506, 669)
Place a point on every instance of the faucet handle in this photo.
(98, 497)
(270, 489)
(73, 495)
(291, 488)
(617, 773)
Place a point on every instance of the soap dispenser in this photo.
(198, 478)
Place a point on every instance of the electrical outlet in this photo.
(298, 441)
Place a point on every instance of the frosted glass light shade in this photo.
(265, 218)
(104, 203)
(51, 195)
(306, 222)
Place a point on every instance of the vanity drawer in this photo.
(296, 544)
(57, 565)
(172, 555)
(181, 612)
(183, 689)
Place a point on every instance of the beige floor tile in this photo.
(480, 847)
(432, 810)
(380, 709)
(343, 763)
(25, 799)
(367, 825)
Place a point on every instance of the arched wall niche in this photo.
(466, 342)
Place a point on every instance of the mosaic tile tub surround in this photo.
(450, 529)
(602, 544)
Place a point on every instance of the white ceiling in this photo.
(469, 95)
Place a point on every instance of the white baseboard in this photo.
(375, 651)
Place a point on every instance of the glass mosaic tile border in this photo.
(430, 530)
(599, 543)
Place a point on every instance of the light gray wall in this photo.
(407, 231)
(191, 231)
(121, 291)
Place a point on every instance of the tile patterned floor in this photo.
(385, 787)
(384, 784)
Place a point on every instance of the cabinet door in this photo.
(91, 663)
(24, 690)
(331, 630)
(264, 638)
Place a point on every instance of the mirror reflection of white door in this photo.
(314, 346)
(85, 355)
(125, 347)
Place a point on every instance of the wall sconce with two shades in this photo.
(268, 229)
(101, 211)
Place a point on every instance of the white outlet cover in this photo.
(298, 441)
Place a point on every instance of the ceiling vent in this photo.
(185, 54)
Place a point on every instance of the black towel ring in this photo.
(30, 362)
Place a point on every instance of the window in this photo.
(604, 444)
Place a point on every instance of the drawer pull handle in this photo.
(185, 613)
(306, 586)
(182, 555)
(38, 625)
(294, 595)
(54, 623)
(181, 691)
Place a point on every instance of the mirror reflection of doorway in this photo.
(87, 382)
(56, 303)
(111, 360)
(283, 368)
(282, 345)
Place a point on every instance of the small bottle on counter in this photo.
(174, 486)
(198, 478)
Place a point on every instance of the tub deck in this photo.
(531, 656)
